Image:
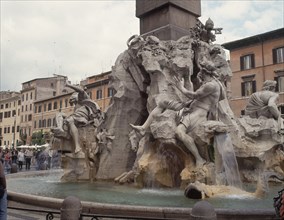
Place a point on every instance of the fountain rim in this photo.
(96, 208)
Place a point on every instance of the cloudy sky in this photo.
(83, 38)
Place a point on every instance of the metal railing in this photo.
(50, 214)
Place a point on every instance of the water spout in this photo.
(227, 161)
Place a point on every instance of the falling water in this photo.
(229, 164)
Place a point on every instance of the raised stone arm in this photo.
(76, 88)
(179, 85)
(81, 93)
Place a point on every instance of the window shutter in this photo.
(277, 84)
(243, 88)
(242, 63)
(253, 86)
(252, 61)
(274, 56)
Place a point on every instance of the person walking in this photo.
(21, 159)
(28, 156)
(3, 194)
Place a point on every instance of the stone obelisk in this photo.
(167, 19)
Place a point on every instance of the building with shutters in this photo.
(253, 60)
(32, 91)
(97, 86)
(10, 105)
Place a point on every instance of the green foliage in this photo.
(38, 138)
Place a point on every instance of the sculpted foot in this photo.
(139, 129)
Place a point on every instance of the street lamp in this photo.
(14, 133)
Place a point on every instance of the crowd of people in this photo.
(40, 159)
(24, 158)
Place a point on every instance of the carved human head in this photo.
(269, 85)
(208, 68)
(74, 98)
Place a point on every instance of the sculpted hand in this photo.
(178, 83)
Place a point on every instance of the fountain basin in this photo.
(44, 189)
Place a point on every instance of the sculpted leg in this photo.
(189, 143)
(59, 121)
(75, 135)
(142, 129)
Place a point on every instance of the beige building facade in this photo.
(99, 90)
(46, 110)
(254, 60)
(32, 91)
(10, 107)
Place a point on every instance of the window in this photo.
(49, 106)
(27, 96)
(22, 108)
(23, 98)
(14, 113)
(26, 107)
(248, 88)
(110, 92)
(30, 117)
(90, 95)
(49, 122)
(278, 55)
(31, 95)
(66, 103)
(19, 102)
(2, 106)
(18, 128)
(44, 107)
(60, 104)
(55, 105)
(31, 107)
(35, 109)
(13, 129)
(39, 123)
(54, 93)
(280, 83)
(8, 130)
(6, 106)
(281, 109)
(44, 123)
(99, 94)
(39, 108)
(247, 62)
(34, 124)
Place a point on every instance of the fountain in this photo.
(169, 127)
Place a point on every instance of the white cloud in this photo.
(82, 38)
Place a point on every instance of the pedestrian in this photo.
(7, 160)
(14, 156)
(28, 156)
(3, 194)
(21, 159)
